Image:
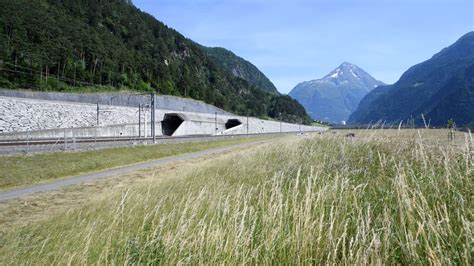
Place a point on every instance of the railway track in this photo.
(57, 141)
(34, 146)
(24, 142)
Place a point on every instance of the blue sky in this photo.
(300, 40)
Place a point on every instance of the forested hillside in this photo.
(110, 45)
(436, 90)
(241, 68)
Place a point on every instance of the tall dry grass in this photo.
(24, 170)
(379, 198)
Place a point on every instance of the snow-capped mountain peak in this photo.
(336, 73)
(346, 71)
(335, 96)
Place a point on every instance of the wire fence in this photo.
(69, 142)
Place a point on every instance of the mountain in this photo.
(440, 88)
(240, 68)
(334, 97)
(73, 45)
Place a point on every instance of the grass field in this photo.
(22, 170)
(385, 196)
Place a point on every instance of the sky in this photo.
(292, 41)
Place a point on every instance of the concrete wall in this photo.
(22, 118)
(206, 124)
(125, 130)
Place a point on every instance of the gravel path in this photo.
(54, 185)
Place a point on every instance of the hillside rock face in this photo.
(440, 88)
(334, 97)
(240, 68)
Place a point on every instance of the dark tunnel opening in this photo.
(170, 124)
(231, 123)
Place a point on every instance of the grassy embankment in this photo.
(25, 170)
(384, 197)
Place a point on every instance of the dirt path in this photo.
(54, 185)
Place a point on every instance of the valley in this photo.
(138, 132)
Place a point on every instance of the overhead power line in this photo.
(50, 77)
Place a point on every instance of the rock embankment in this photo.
(17, 114)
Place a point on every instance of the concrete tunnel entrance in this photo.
(231, 123)
(170, 124)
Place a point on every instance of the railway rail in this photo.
(46, 141)
(31, 146)
(23, 142)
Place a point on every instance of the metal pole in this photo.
(153, 117)
(215, 123)
(139, 120)
(280, 124)
(146, 125)
(74, 141)
(65, 140)
(247, 125)
(98, 111)
(27, 141)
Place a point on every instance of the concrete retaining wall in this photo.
(255, 126)
(40, 119)
(126, 130)
(207, 125)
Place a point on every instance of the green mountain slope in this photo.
(440, 88)
(241, 68)
(59, 44)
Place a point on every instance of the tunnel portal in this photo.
(170, 124)
(231, 123)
